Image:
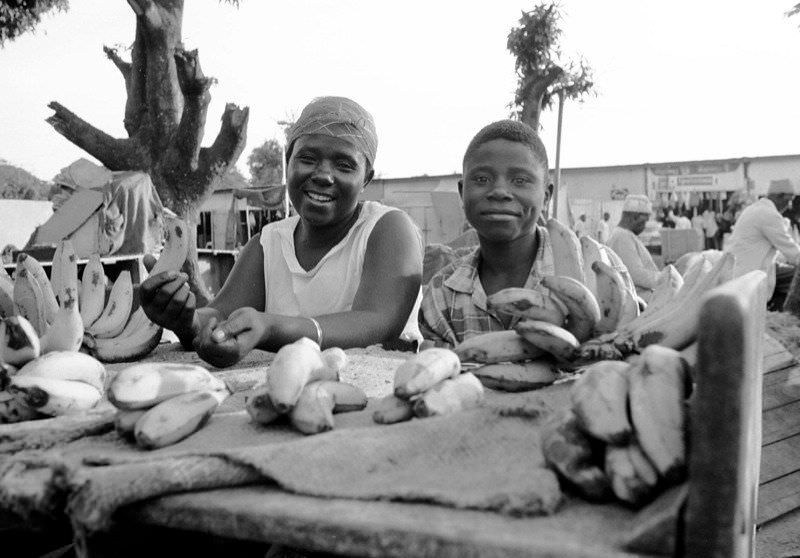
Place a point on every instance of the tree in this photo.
(540, 74)
(266, 164)
(23, 16)
(165, 114)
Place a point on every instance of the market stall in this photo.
(473, 483)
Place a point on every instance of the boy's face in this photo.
(504, 189)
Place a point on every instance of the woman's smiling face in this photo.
(325, 175)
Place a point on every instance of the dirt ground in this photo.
(781, 538)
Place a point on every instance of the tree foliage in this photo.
(265, 164)
(22, 16)
(541, 72)
(19, 184)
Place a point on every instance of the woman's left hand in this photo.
(227, 342)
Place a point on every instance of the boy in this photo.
(504, 188)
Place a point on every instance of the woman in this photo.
(342, 272)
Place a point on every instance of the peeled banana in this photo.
(424, 370)
(632, 477)
(346, 397)
(176, 418)
(67, 365)
(463, 392)
(125, 421)
(392, 409)
(335, 359)
(496, 346)
(54, 397)
(600, 401)
(259, 405)
(313, 411)
(147, 384)
(294, 366)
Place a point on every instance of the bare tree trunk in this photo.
(534, 89)
(165, 115)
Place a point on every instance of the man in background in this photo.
(760, 234)
(581, 226)
(624, 240)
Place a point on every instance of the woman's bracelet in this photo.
(319, 331)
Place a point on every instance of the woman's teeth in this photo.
(319, 197)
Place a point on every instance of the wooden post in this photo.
(558, 155)
(792, 302)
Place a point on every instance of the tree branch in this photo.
(113, 153)
(122, 66)
(194, 86)
(229, 142)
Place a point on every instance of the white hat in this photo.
(637, 204)
(783, 186)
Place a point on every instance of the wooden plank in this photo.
(778, 497)
(780, 423)
(780, 459)
(392, 529)
(775, 394)
(726, 438)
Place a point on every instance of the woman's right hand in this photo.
(168, 301)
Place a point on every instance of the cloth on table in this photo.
(486, 459)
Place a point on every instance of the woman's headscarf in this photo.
(339, 117)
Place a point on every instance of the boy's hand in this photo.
(225, 343)
(168, 301)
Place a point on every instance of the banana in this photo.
(335, 359)
(600, 401)
(657, 394)
(54, 397)
(626, 482)
(526, 303)
(12, 410)
(29, 300)
(346, 397)
(567, 257)
(668, 285)
(6, 295)
(616, 262)
(611, 295)
(19, 343)
(55, 270)
(496, 346)
(583, 309)
(424, 370)
(550, 338)
(176, 246)
(37, 272)
(125, 422)
(259, 405)
(67, 365)
(392, 409)
(118, 309)
(574, 457)
(313, 411)
(644, 468)
(93, 290)
(676, 325)
(517, 376)
(147, 384)
(463, 392)
(592, 251)
(176, 418)
(294, 366)
(137, 340)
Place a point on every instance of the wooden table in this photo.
(719, 518)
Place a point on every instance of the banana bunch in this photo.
(302, 384)
(161, 403)
(672, 316)
(57, 383)
(624, 434)
(429, 383)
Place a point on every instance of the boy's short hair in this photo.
(511, 130)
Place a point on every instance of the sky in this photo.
(679, 80)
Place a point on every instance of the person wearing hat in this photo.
(760, 233)
(342, 272)
(624, 240)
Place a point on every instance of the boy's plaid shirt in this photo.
(454, 303)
